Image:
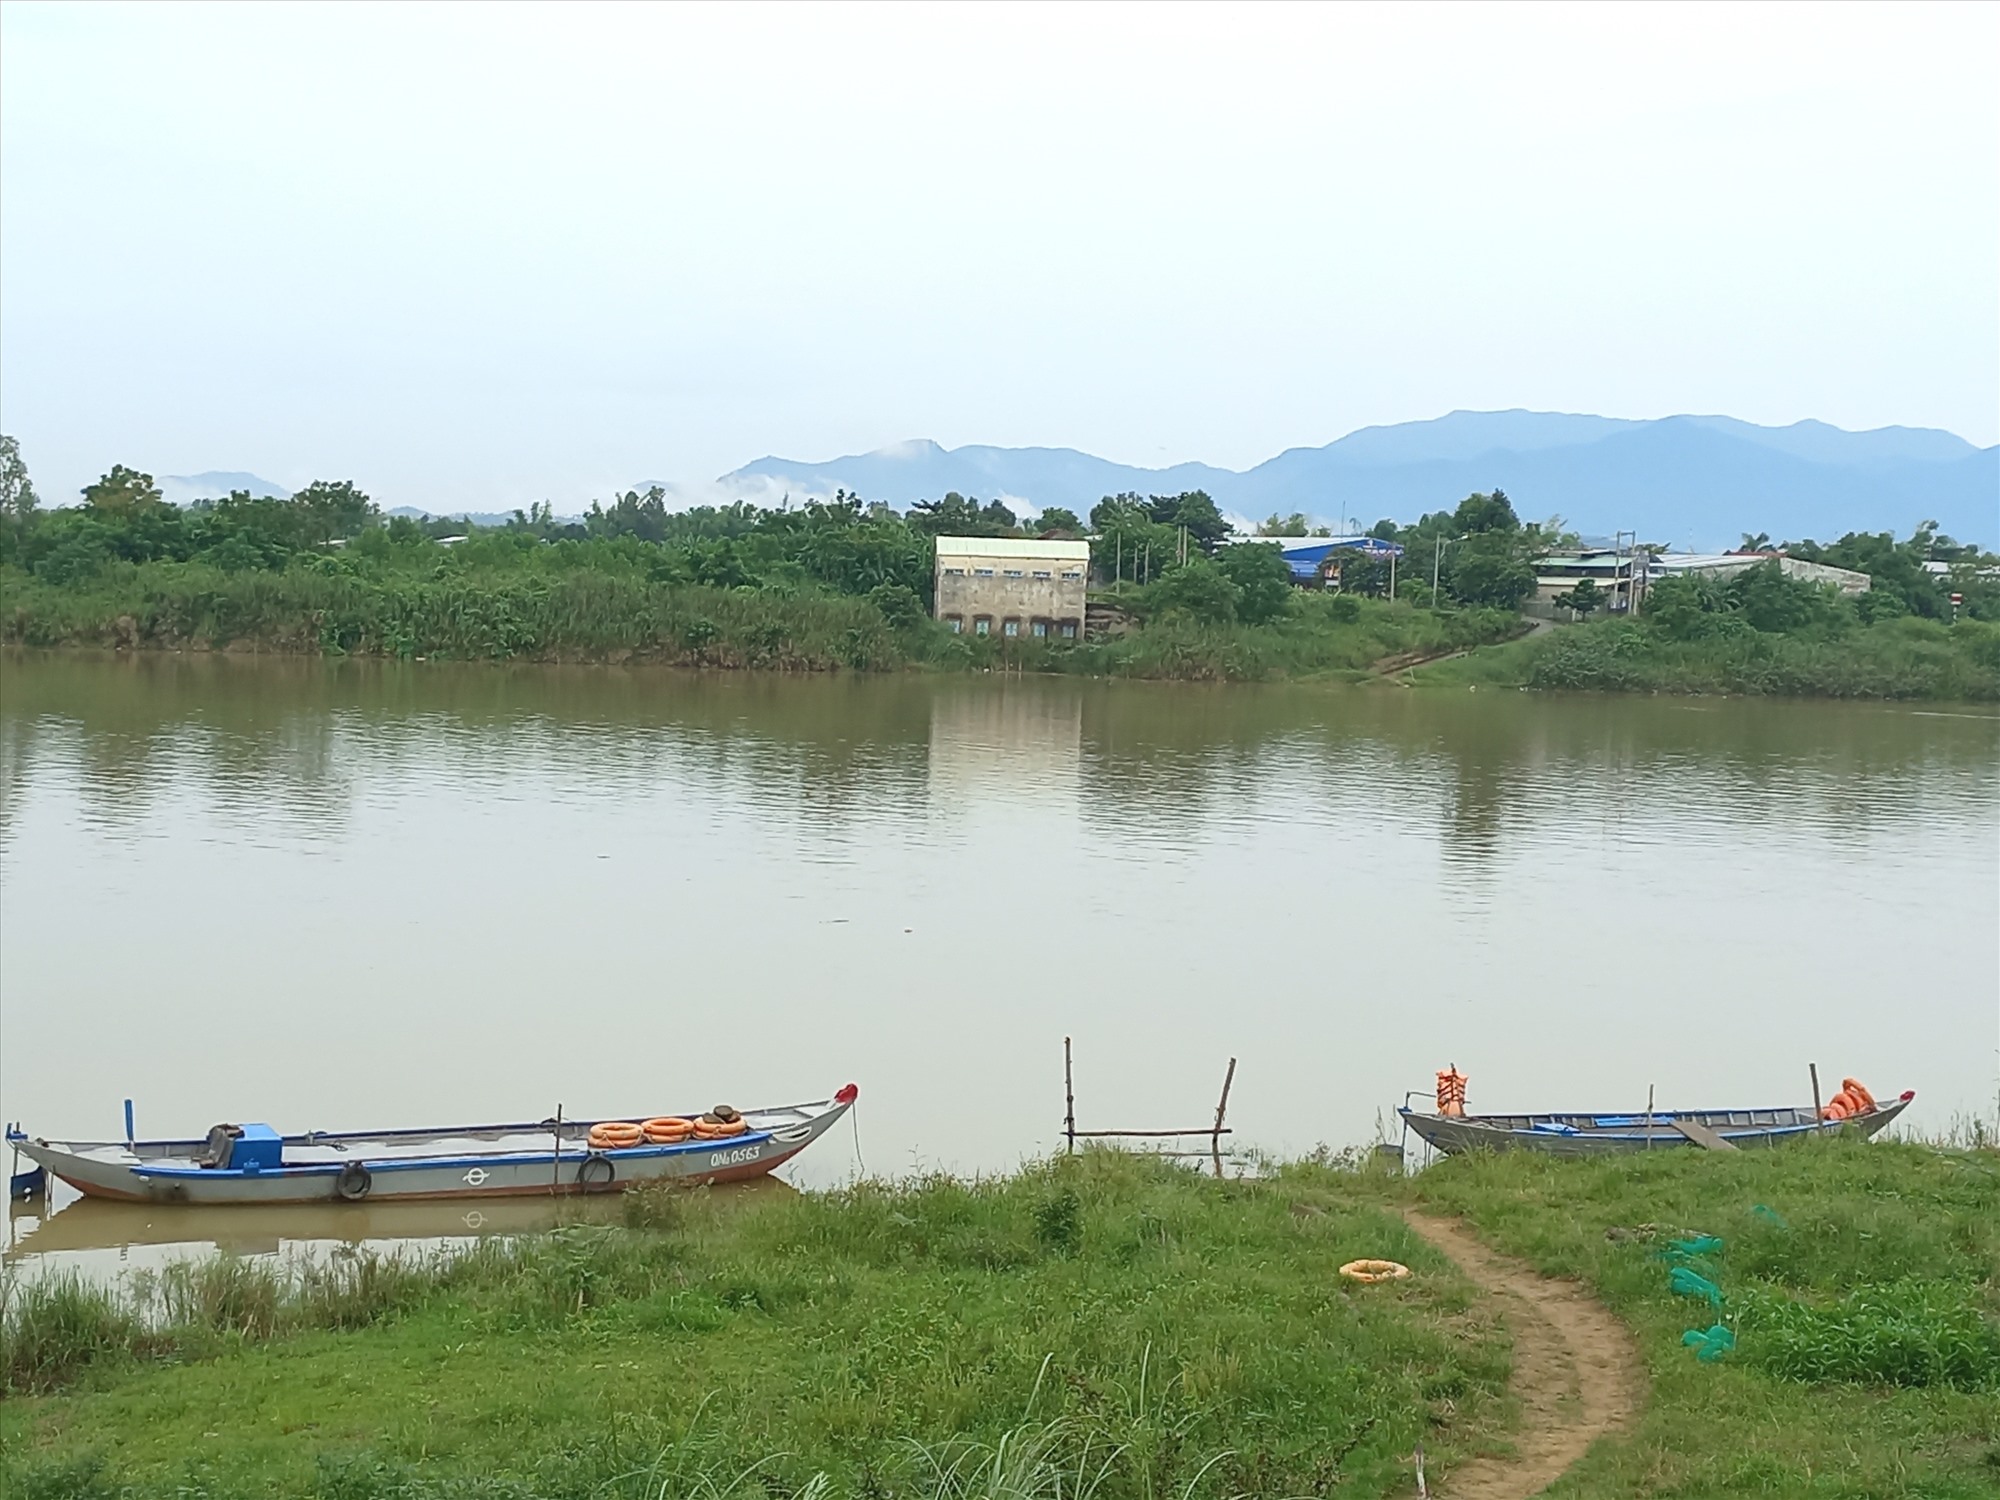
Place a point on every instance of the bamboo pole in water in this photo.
(1069, 1098)
(555, 1157)
(1221, 1108)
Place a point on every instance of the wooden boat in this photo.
(255, 1164)
(1602, 1134)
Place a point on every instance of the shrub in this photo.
(1907, 1333)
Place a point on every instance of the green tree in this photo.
(1583, 599)
(1056, 518)
(1691, 607)
(1262, 577)
(1479, 513)
(18, 502)
(1361, 572)
(955, 515)
(122, 492)
(1194, 511)
(1769, 601)
(1894, 567)
(898, 602)
(1489, 570)
(1196, 589)
(1295, 524)
(631, 514)
(1129, 543)
(331, 508)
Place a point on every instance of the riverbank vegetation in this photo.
(1859, 1281)
(825, 586)
(842, 585)
(1764, 633)
(1104, 1325)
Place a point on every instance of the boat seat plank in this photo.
(1701, 1135)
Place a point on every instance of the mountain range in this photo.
(1693, 482)
(214, 484)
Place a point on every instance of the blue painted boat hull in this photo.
(538, 1158)
(1611, 1135)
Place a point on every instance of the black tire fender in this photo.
(595, 1170)
(353, 1183)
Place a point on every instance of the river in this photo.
(360, 894)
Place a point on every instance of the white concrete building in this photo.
(1729, 564)
(1011, 586)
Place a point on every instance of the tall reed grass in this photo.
(54, 1327)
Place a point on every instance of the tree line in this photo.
(1159, 554)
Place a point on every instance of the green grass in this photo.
(1105, 1324)
(583, 615)
(1863, 1284)
(1101, 1326)
(1904, 658)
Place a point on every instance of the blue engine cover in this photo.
(259, 1149)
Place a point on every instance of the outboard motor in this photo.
(221, 1146)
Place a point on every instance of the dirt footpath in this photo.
(1577, 1372)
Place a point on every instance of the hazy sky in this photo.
(476, 256)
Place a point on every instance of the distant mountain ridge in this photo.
(1691, 481)
(215, 484)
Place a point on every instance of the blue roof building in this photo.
(1306, 555)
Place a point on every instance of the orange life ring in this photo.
(1374, 1270)
(615, 1135)
(1859, 1091)
(667, 1130)
(714, 1130)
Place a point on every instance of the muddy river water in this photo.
(350, 895)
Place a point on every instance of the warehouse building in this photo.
(1011, 586)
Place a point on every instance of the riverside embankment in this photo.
(1102, 1325)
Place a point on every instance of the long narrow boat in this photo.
(1601, 1134)
(255, 1164)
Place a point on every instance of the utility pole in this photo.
(1392, 578)
(1437, 561)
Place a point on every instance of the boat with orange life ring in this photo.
(255, 1164)
(615, 1135)
(1375, 1270)
(1593, 1133)
(667, 1130)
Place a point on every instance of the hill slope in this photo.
(1692, 481)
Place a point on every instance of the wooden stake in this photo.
(1813, 1067)
(555, 1160)
(1649, 1117)
(1221, 1108)
(1069, 1098)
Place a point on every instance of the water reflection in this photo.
(67, 1230)
(346, 894)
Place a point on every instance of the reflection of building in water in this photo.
(1006, 586)
(1014, 738)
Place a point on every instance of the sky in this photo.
(476, 256)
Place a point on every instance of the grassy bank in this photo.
(460, 609)
(1135, 1329)
(1902, 658)
(1862, 1284)
(1105, 1325)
